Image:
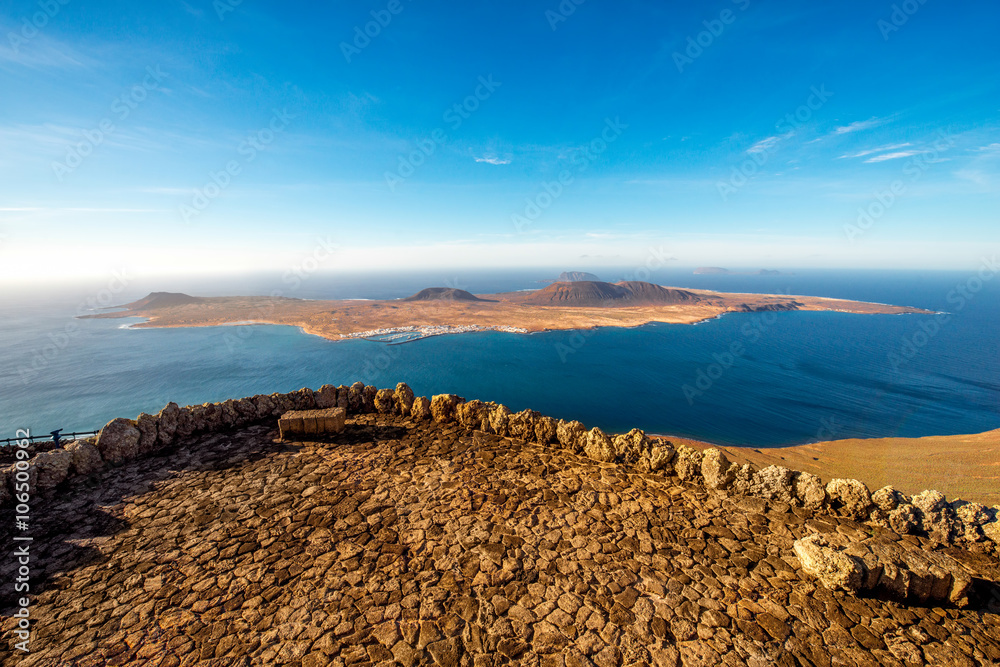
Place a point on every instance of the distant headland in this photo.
(438, 310)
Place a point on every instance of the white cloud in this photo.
(490, 159)
(857, 126)
(892, 156)
(976, 176)
(764, 145)
(877, 150)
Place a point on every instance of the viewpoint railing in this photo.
(51, 436)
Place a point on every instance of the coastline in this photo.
(337, 320)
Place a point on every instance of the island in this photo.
(439, 310)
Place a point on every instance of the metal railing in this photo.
(52, 436)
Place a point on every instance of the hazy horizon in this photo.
(239, 136)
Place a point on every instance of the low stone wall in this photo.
(971, 525)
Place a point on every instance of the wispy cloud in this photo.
(860, 125)
(490, 159)
(764, 145)
(976, 176)
(881, 149)
(992, 149)
(892, 156)
(38, 52)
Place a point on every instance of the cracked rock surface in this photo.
(416, 543)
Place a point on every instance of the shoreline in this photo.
(150, 322)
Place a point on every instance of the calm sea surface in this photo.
(796, 377)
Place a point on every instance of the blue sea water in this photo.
(794, 377)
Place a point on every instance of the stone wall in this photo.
(971, 525)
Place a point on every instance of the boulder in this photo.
(443, 407)
(834, 569)
(343, 397)
(599, 446)
(326, 397)
(661, 456)
(631, 447)
(185, 424)
(118, 441)
(85, 457)
(522, 425)
(473, 414)
(207, 417)
(896, 570)
(929, 502)
(973, 514)
(904, 520)
(888, 499)
(808, 490)
(572, 435)
(851, 497)
(166, 422)
(282, 404)
(991, 529)
(500, 420)
(385, 401)
(937, 518)
(305, 399)
(743, 479)
(545, 430)
(971, 517)
(265, 406)
(718, 471)
(773, 483)
(368, 398)
(421, 408)
(687, 465)
(404, 399)
(51, 468)
(247, 410)
(355, 398)
(149, 433)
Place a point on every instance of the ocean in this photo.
(761, 379)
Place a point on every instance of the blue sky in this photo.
(233, 135)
